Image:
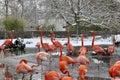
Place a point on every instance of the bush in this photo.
(14, 23)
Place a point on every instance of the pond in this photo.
(93, 72)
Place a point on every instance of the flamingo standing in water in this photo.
(24, 68)
(38, 45)
(83, 50)
(69, 45)
(63, 67)
(64, 61)
(8, 42)
(96, 48)
(111, 49)
(68, 59)
(82, 69)
(40, 57)
(45, 46)
(52, 75)
(114, 70)
(82, 59)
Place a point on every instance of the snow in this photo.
(31, 42)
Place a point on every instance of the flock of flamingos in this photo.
(64, 60)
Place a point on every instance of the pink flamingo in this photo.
(24, 68)
(114, 70)
(83, 50)
(40, 57)
(38, 45)
(82, 69)
(96, 48)
(57, 43)
(63, 67)
(69, 45)
(8, 42)
(68, 59)
(45, 46)
(82, 59)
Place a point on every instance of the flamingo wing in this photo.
(68, 59)
(70, 47)
(98, 49)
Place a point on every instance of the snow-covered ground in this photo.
(31, 42)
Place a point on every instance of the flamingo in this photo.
(24, 68)
(69, 45)
(111, 49)
(114, 70)
(82, 59)
(63, 67)
(8, 42)
(57, 43)
(68, 59)
(96, 48)
(83, 50)
(82, 69)
(40, 57)
(45, 46)
(38, 45)
(52, 75)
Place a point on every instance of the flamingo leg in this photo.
(31, 76)
(23, 77)
(50, 62)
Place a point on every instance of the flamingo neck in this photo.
(68, 73)
(83, 77)
(93, 40)
(52, 39)
(41, 36)
(68, 36)
(82, 41)
(60, 54)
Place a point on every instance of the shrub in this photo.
(14, 23)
